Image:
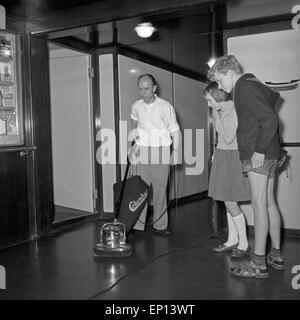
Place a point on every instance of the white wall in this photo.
(252, 9)
(191, 110)
(72, 142)
(274, 57)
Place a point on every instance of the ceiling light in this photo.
(145, 30)
(211, 62)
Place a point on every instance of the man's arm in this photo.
(176, 140)
(176, 147)
(133, 133)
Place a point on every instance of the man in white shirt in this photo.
(156, 130)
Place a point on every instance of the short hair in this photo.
(223, 65)
(218, 94)
(147, 75)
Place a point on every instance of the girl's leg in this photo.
(233, 237)
(233, 208)
(239, 223)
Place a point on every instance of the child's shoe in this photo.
(275, 262)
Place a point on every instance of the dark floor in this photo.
(182, 266)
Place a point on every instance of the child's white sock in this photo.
(240, 225)
(232, 232)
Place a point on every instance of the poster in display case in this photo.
(11, 119)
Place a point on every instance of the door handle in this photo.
(26, 152)
(23, 151)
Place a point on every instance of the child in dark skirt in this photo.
(227, 183)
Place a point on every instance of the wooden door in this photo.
(14, 212)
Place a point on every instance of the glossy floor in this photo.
(182, 266)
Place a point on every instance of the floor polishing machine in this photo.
(128, 208)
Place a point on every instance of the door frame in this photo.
(42, 204)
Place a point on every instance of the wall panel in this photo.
(191, 110)
(107, 107)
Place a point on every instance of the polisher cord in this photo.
(155, 259)
(168, 205)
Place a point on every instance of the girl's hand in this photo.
(215, 113)
(218, 106)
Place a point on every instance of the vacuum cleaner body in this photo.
(113, 241)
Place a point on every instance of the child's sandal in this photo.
(250, 270)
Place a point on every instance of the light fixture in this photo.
(133, 71)
(211, 62)
(144, 30)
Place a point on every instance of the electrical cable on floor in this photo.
(211, 237)
(169, 202)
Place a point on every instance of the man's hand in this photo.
(133, 135)
(176, 157)
(132, 153)
(257, 160)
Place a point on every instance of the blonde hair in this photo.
(223, 65)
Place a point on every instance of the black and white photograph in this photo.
(5, 45)
(150, 154)
(5, 72)
(8, 97)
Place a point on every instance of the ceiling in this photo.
(41, 12)
(33, 8)
(190, 19)
(66, 27)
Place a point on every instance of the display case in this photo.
(11, 108)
